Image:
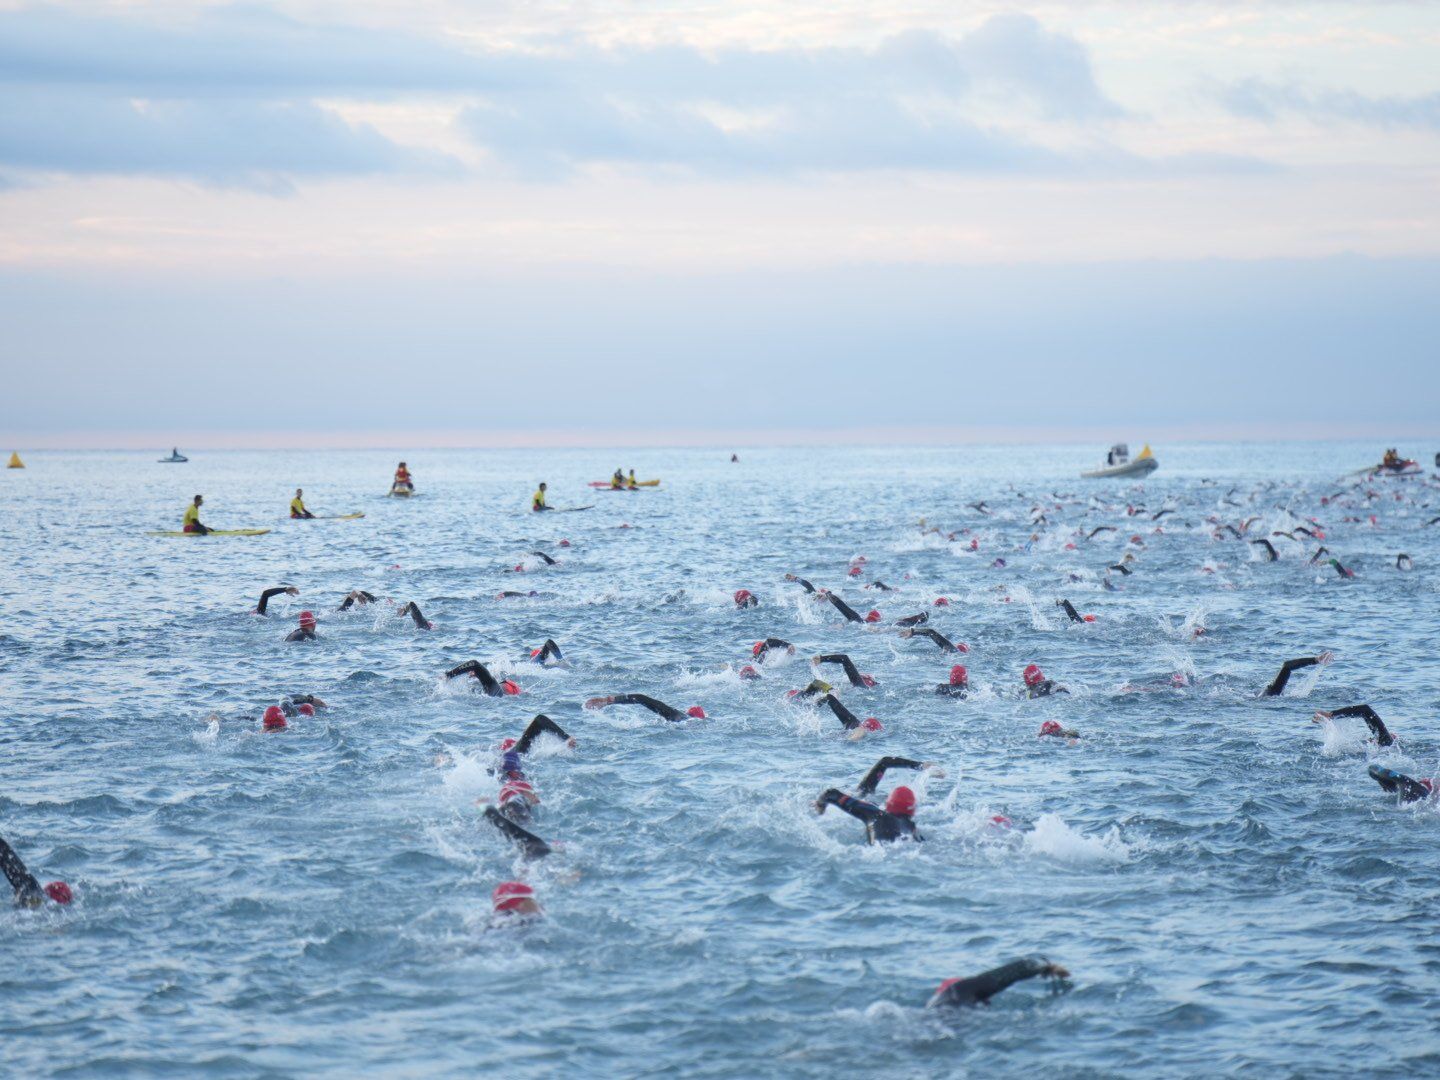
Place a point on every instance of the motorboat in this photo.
(1119, 463)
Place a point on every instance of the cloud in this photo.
(1260, 100)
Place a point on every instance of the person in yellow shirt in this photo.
(297, 506)
(537, 502)
(192, 517)
(631, 482)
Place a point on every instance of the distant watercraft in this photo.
(212, 532)
(1118, 463)
(175, 458)
(15, 462)
(610, 484)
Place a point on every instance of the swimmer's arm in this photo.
(1276, 688)
(548, 650)
(480, 671)
(844, 715)
(778, 643)
(659, 708)
(801, 582)
(27, 889)
(940, 639)
(534, 847)
(845, 609)
(541, 555)
(1372, 720)
(1070, 610)
(856, 808)
(413, 610)
(540, 724)
(979, 989)
(268, 593)
(851, 671)
(877, 772)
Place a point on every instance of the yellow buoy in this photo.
(15, 462)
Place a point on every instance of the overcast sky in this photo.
(436, 221)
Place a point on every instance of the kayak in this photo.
(212, 532)
(175, 460)
(1121, 465)
(638, 483)
(402, 493)
(330, 517)
(1408, 467)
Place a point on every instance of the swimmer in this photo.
(265, 596)
(306, 629)
(1404, 562)
(895, 822)
(1343, 571)
(191, 523)
(548, 653)
(413, 610)
(851, 671)
(856, 728)
(530, 844)
(946, 645)
(274, 719)
(979, 989)
(1407, 787)
(1277, 687)
(851, 615)
(1270, 553)
(28, 893)
(1100, 529)
(1365, 712)
(356, 596)
(301, 705)
(744, 598)
(537, 501)
(546, 559)
(515, 799)
(1052, 729)
(540, 725)
(1037, 686)
(871, 779)
(297, 506)
(914, 620)
(762, 649)
(514, 901)
(488, 682)
(1075, 616)
(806, 585)
(659, 708)
(959, 684)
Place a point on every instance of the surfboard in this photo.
(638, 483)
(212, 532)
(574, 509)
(332, 517)
(403, 493)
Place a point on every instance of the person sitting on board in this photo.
(631, 482)
(266, 596)
(895, 822)
(659, 708)
(1365, 712)
(1037, 686)
(493, 687)
(306, 630)
(1397, 783)
(402, 481)
(192, 517)
(1277, 685)
(297, 506)
(537, 501)
(617, 482)
(979, 989)
(28, 892)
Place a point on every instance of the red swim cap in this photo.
(307, 618)
(960, 646)
(1089, 618)
(756, 648)
(306, 709)
(742, 596)
(854, 571)
(696, 712)
(975, 544)
(1001, 820)
(748, 672)
(508, 895)
(873, 615)
(791, 693)
(871, 724)
(506, 744)
(59, 892)
(534, 653)
(901, 801)
(1051, 727)
(942, 601)
(959, 676)
(1033, 675)
(564, 543)
(519, 569)
(515, 789)
(509, 687)
(274, 718)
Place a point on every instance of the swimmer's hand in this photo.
(1325, 657)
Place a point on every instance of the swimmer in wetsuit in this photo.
(959, 684)
(895, 822)
(811, 588)
(548, 653)
(514, 901)
(1075, 616)
(297, 506)
(266, 596)
(1365, 712)
(306, 629)
(1270, 554)
(1277, 686)
(913, 620)
(28, 892)
(851, 615)
(762, 649)
(979, 989)
(1407, 787)
(856, 727)
(413, 610)
(659, 708)
(354, 597)
(851, 671)
(946, 645)
(530, 844)
(744, 598)
(1037, 686)
(493, 687)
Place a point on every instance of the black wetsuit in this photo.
(266, 596)
(1276, 688)
(1070, 610)
(877, 772)
(27, 890)
(881, 826)
(955, 690)
(979, 989)
(532, 845)
(1270, 554)
(801, 582)
(913, 620)
(302, 633)
(541, 555)
(488, 682)
(817, 688)
(844, 715)
(845, 609)
(1372, 720)
(659, 708)
(290, 705)
(413, 610)
(946, 645)
(851, 671)
(535, 729)
(1407, 787)
(548, 651)
(772, 643)
(358, 596)
(1045, 688)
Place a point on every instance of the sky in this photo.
(436, 222)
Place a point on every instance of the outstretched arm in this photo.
(27, 889)
(946, 645)
(1070, 610)
(1276, 688)
(532, 732)
(533, 846)
(979, 989)
(856, 808)
(481, 672)
(413, 610)
(845, 609)
(801, 582)
(877, 772)
(851, 671)
(659, 708)
(268, 593)
(1371, 718)
(844, 715)
(541, 555)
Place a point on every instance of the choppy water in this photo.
(1231, 892)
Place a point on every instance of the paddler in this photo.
(631, 482)
(192, 517)
(537, 501)
(297, 506)
(402, 479)
(617, 482)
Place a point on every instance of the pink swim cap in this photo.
(508, 895)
